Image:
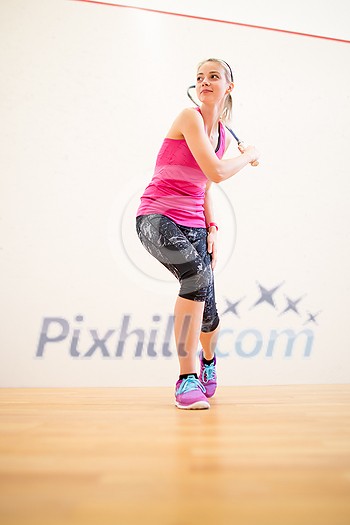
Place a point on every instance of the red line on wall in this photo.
(183, 15)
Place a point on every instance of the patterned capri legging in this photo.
(183, 251)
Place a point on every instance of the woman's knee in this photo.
(210, 324)
(196, 282)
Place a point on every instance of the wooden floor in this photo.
(261, 455)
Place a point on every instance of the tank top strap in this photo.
(220, 152)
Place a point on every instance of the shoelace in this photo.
(208, 372)
(188, 384)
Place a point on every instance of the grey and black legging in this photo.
(183, 251)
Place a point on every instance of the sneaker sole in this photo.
(194, 406)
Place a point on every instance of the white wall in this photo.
(88, 93)
(311, 16)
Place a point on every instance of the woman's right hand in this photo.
(251, 151)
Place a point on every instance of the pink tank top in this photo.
(177, 188)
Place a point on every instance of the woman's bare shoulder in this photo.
(185, 117)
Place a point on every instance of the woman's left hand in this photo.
(211, 243)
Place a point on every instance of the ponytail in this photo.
(226, 114)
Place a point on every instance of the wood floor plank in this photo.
(124, 456)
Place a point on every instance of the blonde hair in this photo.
(227, 111)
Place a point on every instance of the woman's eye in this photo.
(213, 76)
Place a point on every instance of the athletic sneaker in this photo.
(190, 393)
(207, 376)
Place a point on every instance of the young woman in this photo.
(175, 223)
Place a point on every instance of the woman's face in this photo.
(211, 84)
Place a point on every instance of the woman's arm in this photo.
(208, 205)
(212, 231)
(190, 124)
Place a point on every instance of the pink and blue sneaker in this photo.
(207, 375)
(190, 393)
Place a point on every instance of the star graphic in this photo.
(266, 295)
(292, 305)
(232, 307)
(312, 317)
